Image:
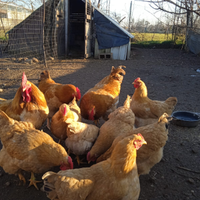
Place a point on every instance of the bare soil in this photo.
(166, 72)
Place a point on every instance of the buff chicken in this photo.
(60, 120)
(56, 94)
(80, 138)
(103, 98)
(121, 120)
(28, 104)
(28, 149)
(148, 111)
(115, 178)
(156, 136)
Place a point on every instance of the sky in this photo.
(140, 10)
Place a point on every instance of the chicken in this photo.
(156, 136)
(75, 108)
(103, 98)
(26, 148)
(148, 111)
(80, 138)
(56, 94)
(62, 118)
(120, 121)
(115, 178)
(28, 104)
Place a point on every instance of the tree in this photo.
(117, 17)
(188, 8)
(192, 6)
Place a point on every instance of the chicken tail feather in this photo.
(48, 186)
(5, 119)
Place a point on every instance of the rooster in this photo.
(28, 104)
(114, 178)
(26, 148)
(148, 111)
(103, 98)
(56, 93)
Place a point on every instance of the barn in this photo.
(72, 28)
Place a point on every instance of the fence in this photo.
(29, 35)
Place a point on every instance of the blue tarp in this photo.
(107, 33)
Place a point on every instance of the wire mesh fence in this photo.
(32, 34)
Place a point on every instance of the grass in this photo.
(2, 36)
(157, 40)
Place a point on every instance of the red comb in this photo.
(78, 96)
(91, 114)
(65, 110)
(66, 166)
(137, 79)
(88, 156)
(93, 159)
(139, 134)
(24, 79)
(70, 162)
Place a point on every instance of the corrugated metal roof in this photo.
(113, 21)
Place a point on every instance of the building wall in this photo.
(116, 53)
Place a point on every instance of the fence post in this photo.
(43, 46)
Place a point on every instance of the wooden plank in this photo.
(89, 17)
(88, 30)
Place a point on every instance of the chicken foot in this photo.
(68, 151)
(21, 178)
(33, 181)
(80, 161)
(97, 122)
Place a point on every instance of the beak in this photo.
(170, 118)
(144, 142)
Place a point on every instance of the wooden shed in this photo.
(90, 32)
(73, 28)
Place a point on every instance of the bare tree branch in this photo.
(184, 5)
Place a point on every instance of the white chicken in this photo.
(80, 138)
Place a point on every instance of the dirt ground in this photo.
(166, 72)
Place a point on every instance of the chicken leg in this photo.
(79, 161)
(21, 178)
(96, 122)
(33, 181)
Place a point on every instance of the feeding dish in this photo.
(185, 118)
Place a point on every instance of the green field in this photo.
(158, 38)
(2, 35)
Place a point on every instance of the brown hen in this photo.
(103, 98)
(115, 178)
(148, 111)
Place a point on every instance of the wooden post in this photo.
(43, 22)
(129, 23)
(66, 26)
